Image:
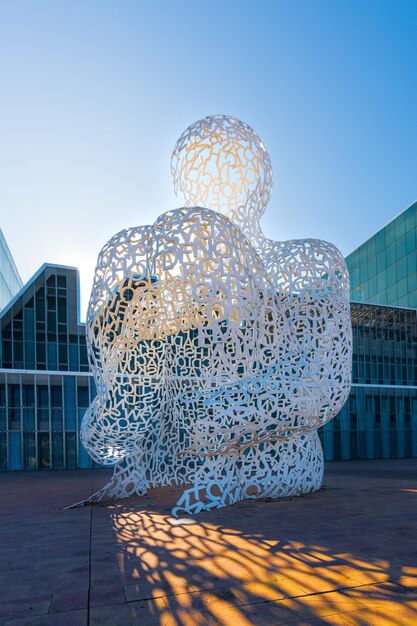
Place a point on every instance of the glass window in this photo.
(29, 355)
(402, 287)
(62, 310)
(73, 354)
(43, 397)
(15, 451)
(40, 305)
(57, 451)
(391, 274)
(354, 279)
(390, 234)
(28, 416)
(52, 322)
(400, 226)
(52, 356)
(29, 451)
(40, 354)
(390, 254)
(410, 242)
(3, 451)
(56, 396)
(83, 357)
(380, 241)
(61, 281)
(51, 301)
(63, 356)
(372, 268)
(28, 395)
(71, 450)
(93, 390)
(381, 281)
(29, 324)
(14, 396)
(18, 354)
(7, 354)
(412, 281)
(57, 420)
(44, 451)
(43, 407)
(401, 268)
(392, 293)
(82, 390)
(70, 405)
(370, 249)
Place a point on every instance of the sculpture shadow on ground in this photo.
(257, 563)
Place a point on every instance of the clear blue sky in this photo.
(94, 95)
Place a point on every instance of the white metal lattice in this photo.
(217, 353)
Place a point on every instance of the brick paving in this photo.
(346, 555)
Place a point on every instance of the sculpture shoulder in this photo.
(121, 242)
(300, 261)
(316, 250)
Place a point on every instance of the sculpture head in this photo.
(220, 163)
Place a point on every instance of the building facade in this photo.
(10, 281)
(45, 384)
(379, 419)
(383, 270)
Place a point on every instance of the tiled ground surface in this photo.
(346, 555)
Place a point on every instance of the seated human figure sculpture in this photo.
(217, 353)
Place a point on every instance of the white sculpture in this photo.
(217, 353)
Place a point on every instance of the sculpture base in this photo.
(289, 467)
(127, 480)
(285, 468)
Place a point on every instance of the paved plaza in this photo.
(345, 555)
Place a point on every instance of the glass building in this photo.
(383, 270)
(10, 281)
(379, 419)
(45, 384)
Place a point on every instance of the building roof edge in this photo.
(11, 257)
(382, 228)
(31, 280)
(386, 306)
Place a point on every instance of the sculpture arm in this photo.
(312, 281)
